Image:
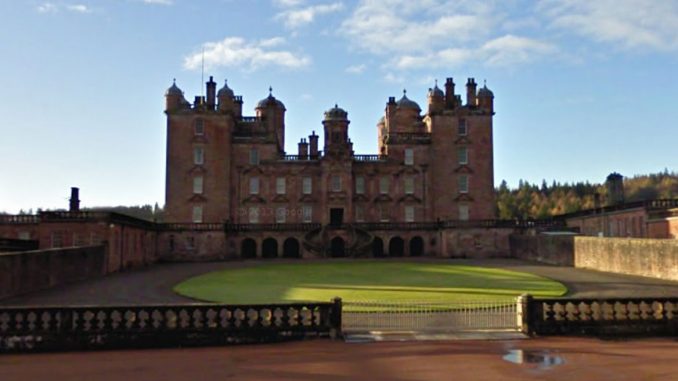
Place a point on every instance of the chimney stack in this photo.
(449, 93)
(211, 93)
(74, 202)
(303, 149)
(313, 145)
(471, 92)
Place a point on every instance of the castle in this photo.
(223, 166)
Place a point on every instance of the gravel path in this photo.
(153, 285)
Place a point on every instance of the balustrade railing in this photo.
(603, 316)
(191, 226)
(271, 227)
(61, 328)
(370, 157)
(19, 219)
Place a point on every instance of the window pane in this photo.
(384, 185)
(280, 185)
(383, 213)
(409, 214)
(409, 185)
(254, 157)
(197, 185)
(336, 183)
(462, 128)
(359, 213)
(308, 213)
(307, 185)
(463, 184)
(360, 185)
(462, 155)
(280, 215)
(199, 127)
(463, 212)
(197, 214)
(253, 215)
(409, 156)
(254, 185)
(198, 156)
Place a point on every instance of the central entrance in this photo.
(336, 216)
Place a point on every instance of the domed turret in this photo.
(486, 98)
(174, 97)
(336, 113)
(270, 101)
(436, 100)
(225, 91)
(407, 103)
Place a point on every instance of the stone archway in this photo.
(269, 248)
(248, 248)
(378, 247)
(291, 248)
(337, 247)
(416, 246)
(396, 247)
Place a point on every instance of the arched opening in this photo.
(291, 248)
(378, 247)
(396, 248)
(337, 248)
(416, 246)
(269, 248)
(248, 248)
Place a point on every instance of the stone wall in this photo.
(22, 272)
(656, 258)
(551, 249)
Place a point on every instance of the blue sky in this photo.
(582, 88)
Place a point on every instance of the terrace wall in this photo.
(27, 271)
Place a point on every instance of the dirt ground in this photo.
(542, 359)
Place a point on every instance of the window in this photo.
(254, 185)
(463, 183)
(359, 213)
(253, 215)
(199, 127)
(463, 212)
(197, 185)
(307, 185)
(280, 215)
(336, 183)
(384, 185)
(409, 185)
(280, 185)
(383, 213)
(462, 129)
(307, 213)
(190, 243)
(198, 155)
(409, 214)
(409, 156)
(197, 214)
(462, 155)
(360, 185)
(254, 157)
(57, 239)
(78, 239)
(94, 239)
(24, 236)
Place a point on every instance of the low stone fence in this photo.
(27, 271)
(656, 258)
(26, 329)
(602, 317)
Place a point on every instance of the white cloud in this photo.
(54, 8)
(295, 18)
(247, 55)
(47, 8)
(78, 8)
(158, 2)
(510, 50)
(356, 69)
(628, 24)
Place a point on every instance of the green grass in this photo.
(364, 280)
